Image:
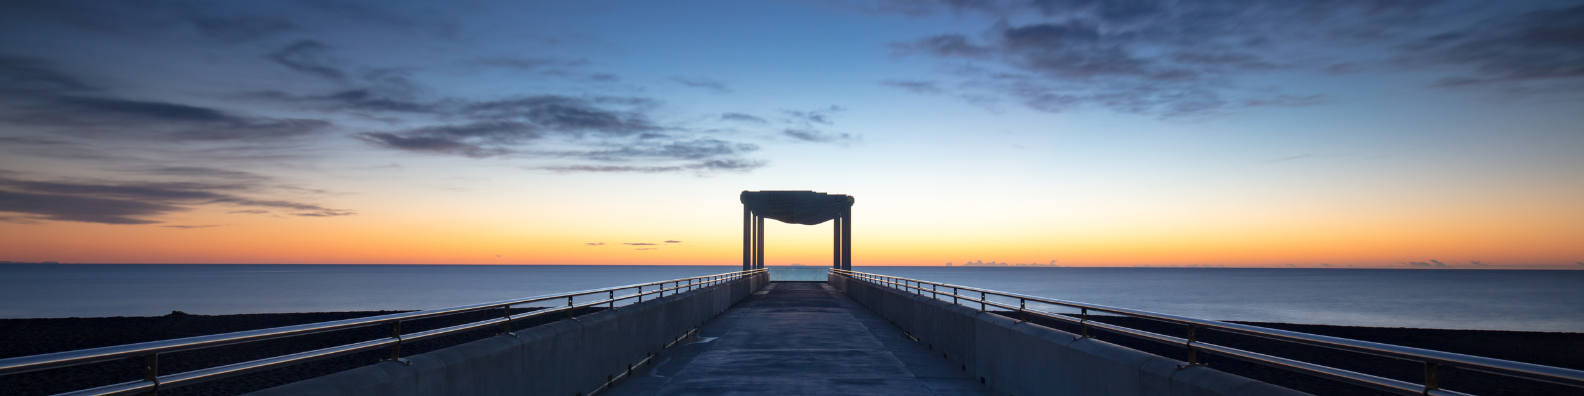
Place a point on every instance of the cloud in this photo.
(595, 244)
(531, 64)
(1534, 47)
(28, 75)
(1424, 264)
(703, 166)
(1292, 158)
(131, 202)
(1477, 263)
(195, 171)
(809, 135)
(673, 241)
(40, 97)
(308, 57)
(740, 117)
(326, 213)
(250, 211)
(923, 87)
(188, 227)
(816, 116)
(639, 244)
(707, 84)
(1169, 58)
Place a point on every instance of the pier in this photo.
(800, 338)
(787, 331)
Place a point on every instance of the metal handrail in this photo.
(1432, 359)
(150, 350)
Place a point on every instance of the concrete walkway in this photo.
(798, 338)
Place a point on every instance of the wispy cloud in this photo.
(595, 244)
(673, 241)
(703, 83)
(188, 227)
(134, 202)
(639, 244)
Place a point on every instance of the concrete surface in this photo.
(799, 338)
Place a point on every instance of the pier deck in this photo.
(798, 338)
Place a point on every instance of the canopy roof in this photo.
(797, 207)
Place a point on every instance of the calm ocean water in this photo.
(1454, 299)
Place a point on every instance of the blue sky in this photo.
(1238, 132)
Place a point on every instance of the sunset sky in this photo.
(1240, 133)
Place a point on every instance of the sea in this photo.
(1525, 300)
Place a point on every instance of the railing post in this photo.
(640, 293)
(1432, 378)
(981, 301)
(954, 296)
(1083, 322)
(612, 299)
(396, 348)
(151, 371)
(569, 307)
(1022, 312)
(506, 313)
(1193, 355)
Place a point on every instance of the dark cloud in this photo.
(1171, 58)
(327, 213)
(817, 116)
(531, 64)
(923, 87)
(1478, 263)
(738, 165)
(595, 244)
(131, 203)
(195, 171)
(809, 135)
(82, 209)
(308, 57)
(1426, 264)
(696, 149)
(1539, 46)
(639, 244)
(27, 75)
(241, 28)
(189, 227)
(703, 83)
(41, 97)
(740, 117)
(250, 211)
(479, 139)
(566, 114)
(673, 241)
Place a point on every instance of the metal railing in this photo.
(150, 351)
(1432, 360)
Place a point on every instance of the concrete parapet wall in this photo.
(565, 358)
(1024, 359)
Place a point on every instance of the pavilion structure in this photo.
(796, 207)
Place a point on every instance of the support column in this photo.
(759, 245)
(747, 238)
(836, 246)
(847, 239)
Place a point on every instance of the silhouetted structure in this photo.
(796, 207)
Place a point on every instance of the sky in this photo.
(1237, 133)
